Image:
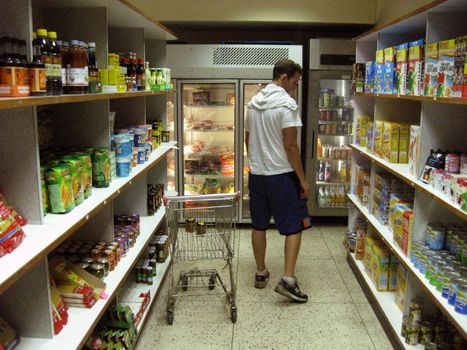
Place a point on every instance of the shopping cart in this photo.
(201, 227)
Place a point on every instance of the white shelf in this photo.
(459, 320)
(81, 322)
(162, 269)
(402, 172)
(42, 239)
(324, 183)
(386, 302)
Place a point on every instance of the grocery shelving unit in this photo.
(442, 124)
(75, 121)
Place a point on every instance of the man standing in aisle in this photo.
(277, 182)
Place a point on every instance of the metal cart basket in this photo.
(201, 227)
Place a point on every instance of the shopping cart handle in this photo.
(217, 196)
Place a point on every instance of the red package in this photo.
(11, 234)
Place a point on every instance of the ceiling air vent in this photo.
(248, 56)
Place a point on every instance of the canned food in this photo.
(453, 289)
(435, 237)
(412, 334)
(405, 322)
(415, 311)
(190, 225)
(461, 299)
(101, 167)
(448, 279)
(426, 333)
(200, 228)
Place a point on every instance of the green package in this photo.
(60, 190)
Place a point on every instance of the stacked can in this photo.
(126, 230)
(155, 196)
(101, 167)
(123, 143)
(442, 259)
(113, 166)
(156, 136)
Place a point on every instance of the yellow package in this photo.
(398, 233)
(404, 140)
(104, 76)
(391, 142)
(381, 258)
(401, 287)
(414, 149)
(370, 242)
(395, 199)
(378, 138)
(361, 130)
(114, 75)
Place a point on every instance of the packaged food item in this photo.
(8, 337)
(459, 63)
(402, 59)
(60, 189)
(393, 268)
(389, 70)
(378, 131)
(370, 76)
(414, 149)
(391, 142)
(415, 69)
(436, 160)
(401, 287)
(59, 309)
(430, 80)
(76, 170)
(447, 54)
(358, 77)
(435, 235)
(380, 72)
(361, 130)
(101, 167)
(404, 140)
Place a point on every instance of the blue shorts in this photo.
(277, 196)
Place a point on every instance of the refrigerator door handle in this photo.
(312, 144)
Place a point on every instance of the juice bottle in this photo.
(147, 73)
(64, 53)
(76, 72)
(56, 64)
(37, 71)
(140, 75)
(46, 58)
(94, 85)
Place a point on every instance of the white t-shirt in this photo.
(270, 111)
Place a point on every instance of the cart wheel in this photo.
(212, 282)
(170, 317)
(233, 314)
(184, 283)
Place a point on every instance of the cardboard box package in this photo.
(404, 140)
(401, 287)
(398, 233)
(430, 77)
(407, 223)
(459, 63)
(370, 76)
(402, 62)
(447, 54)
(389, 70)
(393, 267)
(361, 130)
(391, 142)
(380, 260)
(415, 68)
(378, 130)
(414, 149)
(380, 71)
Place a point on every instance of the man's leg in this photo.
(291, 249)
(258, 240)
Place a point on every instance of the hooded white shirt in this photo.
(269, 111)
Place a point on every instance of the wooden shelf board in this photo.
(402, 172)
(18, 102)
(42, 239)
(459, 321)
(443, 100)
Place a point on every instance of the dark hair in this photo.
(285, 66)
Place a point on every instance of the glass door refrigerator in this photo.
(208, 139)
(328, 166)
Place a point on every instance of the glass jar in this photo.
(97, 270)
(105, 264)
(412, 334)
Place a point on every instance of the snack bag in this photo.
(11, 234)
(415, 69)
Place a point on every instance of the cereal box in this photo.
(380, 70)
(380, 267)
(414, 149)
(378, 138)
(389, 70)
(430, 78)
(393, 267)
(415, 69)
(391, 142)
(398, 230)
(459, 63)
(447, 53)
(404, 139)
(464, 82)
(370, 76)
(407, 227)
(394, 200)
(402, 59)
(401, 287)
(361, 132)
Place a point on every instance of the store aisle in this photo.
(337, 316)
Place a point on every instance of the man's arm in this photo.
(289, 139)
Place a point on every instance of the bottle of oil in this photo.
(46, 58)
(56, 58)
(37, 71)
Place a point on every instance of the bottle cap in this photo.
(74, 42)
(52, 35)
(42, 32)
(91, 44)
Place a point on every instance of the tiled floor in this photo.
(337, 316)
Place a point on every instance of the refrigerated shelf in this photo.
(458, 320)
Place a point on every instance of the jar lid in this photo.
(97, 266)
(91, 44)
(52, 35)
(41, 32)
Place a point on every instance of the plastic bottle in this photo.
(64, 53)
(327, 171)
(147, 73)
(140, 75)
(46, 58)
(321, 197)
(37, 71)
(93, 72)
(56, 64)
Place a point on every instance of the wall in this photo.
(387, 10)
(316, 11)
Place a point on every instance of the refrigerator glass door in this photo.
(171, 156)
(208, 118)
(333, 154)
